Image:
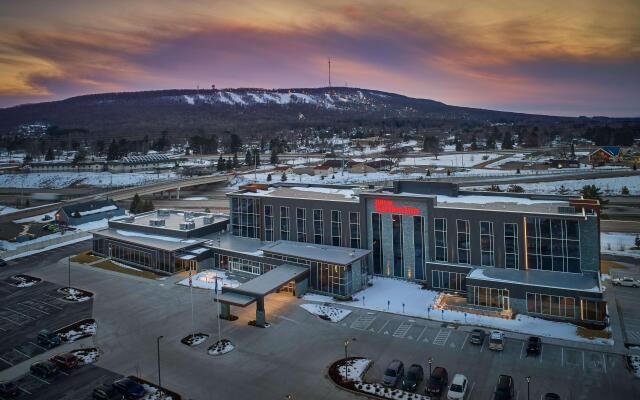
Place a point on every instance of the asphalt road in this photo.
(608, 225)
(292, 356)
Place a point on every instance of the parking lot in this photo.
(626, 299)
(26, 311)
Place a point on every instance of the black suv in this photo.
(504, 388)
(44, 369)
(533, 345)
(106, 392)
(437, 382)
(413, 378)
(9, 389)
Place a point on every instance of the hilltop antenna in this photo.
(329, 72)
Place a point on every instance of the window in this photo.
(244, 217)
(376, 243)
(398, 270)
(486, 244)
(318, 227)
(449, 280)
(418, 244)
(489, 297)
(464, 241)
(440, 230)
(268, 223)
(336, 227)
(301, 224)
(553, 245)
(593, 310)
(284, 223)
(331, 279)
(555, 306)
(354, 229)
(511, 248)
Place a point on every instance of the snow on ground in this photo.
(513, 157)
(356, 369)
(58, 180)
(479, 199)
(196, 198)
(619, 243)
(37, 218)
(634, 364)
(606, 185)
(86, 356)
(333, 314)
(451, 160)
(7, 209)
(153, 393)
(388, 294)
(207, 280)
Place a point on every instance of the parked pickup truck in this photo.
(626, 281)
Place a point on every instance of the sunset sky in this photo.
(553, 57)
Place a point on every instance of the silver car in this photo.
(393, 373)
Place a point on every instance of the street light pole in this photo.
(158, 349)
(430, 362)
(528, 381)
(69, 270)
(346, 362)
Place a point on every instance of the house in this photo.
(282, 169)
(361, 168)
(323, 170)
(381, 165)
(563, 163)
(304, 170)
(606, 154)
(82, 213)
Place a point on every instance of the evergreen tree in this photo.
(494, 188)
(256, 157)
(637, 240)
(269, 178)
(235, 161)
(112, 151)
(507, 141)
(274, 157)
(49, 156)
(491, 143)
(283, 178)
(248, 158)
(135, 204)
(515, 189)
(635, 167)
(592, 192)
(229, 165)
(563, 190)
(624, 191)
(459, 146)
(474, 142)
(221, 165)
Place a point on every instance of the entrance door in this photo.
(290, 287)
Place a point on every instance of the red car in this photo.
(65, 360)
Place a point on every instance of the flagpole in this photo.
(193, 323)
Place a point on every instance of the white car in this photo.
(458, 388)
(626, 281)
(496, 340)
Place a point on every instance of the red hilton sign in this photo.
(388, 206)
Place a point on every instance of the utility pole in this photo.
(158, 347)
(329, 72)
(69, 270)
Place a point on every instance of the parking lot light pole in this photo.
(528, 382)
(346, 363)
(69, 270)
(158, 349)
(430, 362)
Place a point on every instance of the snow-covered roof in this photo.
(308, 192)
(547, 279)
(99, 210)
(168, 243)
(317, 252)
(480, 199)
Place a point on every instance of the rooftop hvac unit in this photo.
(208, 220)
(163, 213)
(156, 222)
(185, 226)
(188, 215)
(567, 210)
(128, 220)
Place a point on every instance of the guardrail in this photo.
(42, 244)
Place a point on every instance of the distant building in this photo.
(563, 163)
(82, 213)
(283, 169)
(606, 154)
(126, 164)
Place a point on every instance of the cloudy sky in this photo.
(555, 57)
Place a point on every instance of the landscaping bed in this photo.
(23, 281)
(327, 312)
(87, 355)
(221, 347)
(194, 339)
(75, 295)
(84, 258)
(78, 330)
(153, 392)
(111, 266)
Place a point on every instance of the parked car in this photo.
(438, 381)
(504, 388)
(394, 372)
(44, 369)
(496, 340)
(65, 360)
(551, 396)
(477, 336)
(458, 388)
(626, 281)
(413, 377)
(3, 263)
(129, 388)
(48, 339)
(106, 392)
(9, 389)
(533, 345)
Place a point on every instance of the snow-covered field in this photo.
(58, 180)
(207, 280)
(7, 209)
(618, 243)
(333, 314)
(388, 294)
(606, 185)
(451, 160)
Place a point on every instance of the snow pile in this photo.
(388, 393)
(195, 339)
(207, 280)
(85, 329)
(86, 356)
(606, 185)
(75, 295)
(354, 369)
(221, 347)
(58, 180)
(634, 364)
(619, 243)
(328, 313)
(7, 210)
(98, 210)
(388, 294)
(153, 393)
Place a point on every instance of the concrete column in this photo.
(178, 194)
(301, 287)
(260, 314)
(225, 311)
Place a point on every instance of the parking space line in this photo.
(18, 312)
(521, 350)
(466, 338)
(471, 390)
(583, 361)
(541, 351)
(37, 345)
(604, 363)
(24, 390)
(13, 322)
(421, 333)
(26, 355)
(2, 359)
(562, 352)
(40, 379)
(35, 309)
(383, 326)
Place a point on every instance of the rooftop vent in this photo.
(567, 210)
(208, 220)
(156, 222)
(187, 225)
(163, 213)
(188, 215)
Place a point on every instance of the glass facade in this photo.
(440, 236)
(593, 310)
(398, 267)
(354, 229)
(511, 247)
(376, 243)
(489, 297)
(268, 223)
(239, 264)
(487, 257)
(464, 241)
(245, 217)
(418, 245)
(449, 280)
(301, 224)
(554, 306)
(156, 259)
(336, 228)
(285, 226)
(318, 227)
(553, 245)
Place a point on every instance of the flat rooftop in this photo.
(172, 219)
(500, 203)
(169, 243)
(306, 192)
(547, 279)
(270, 281)
(316, 252)
(226, 241)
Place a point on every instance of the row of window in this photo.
(449, 280)
(393, 264)
(554, 306)
(489, 297)
(245, 217)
